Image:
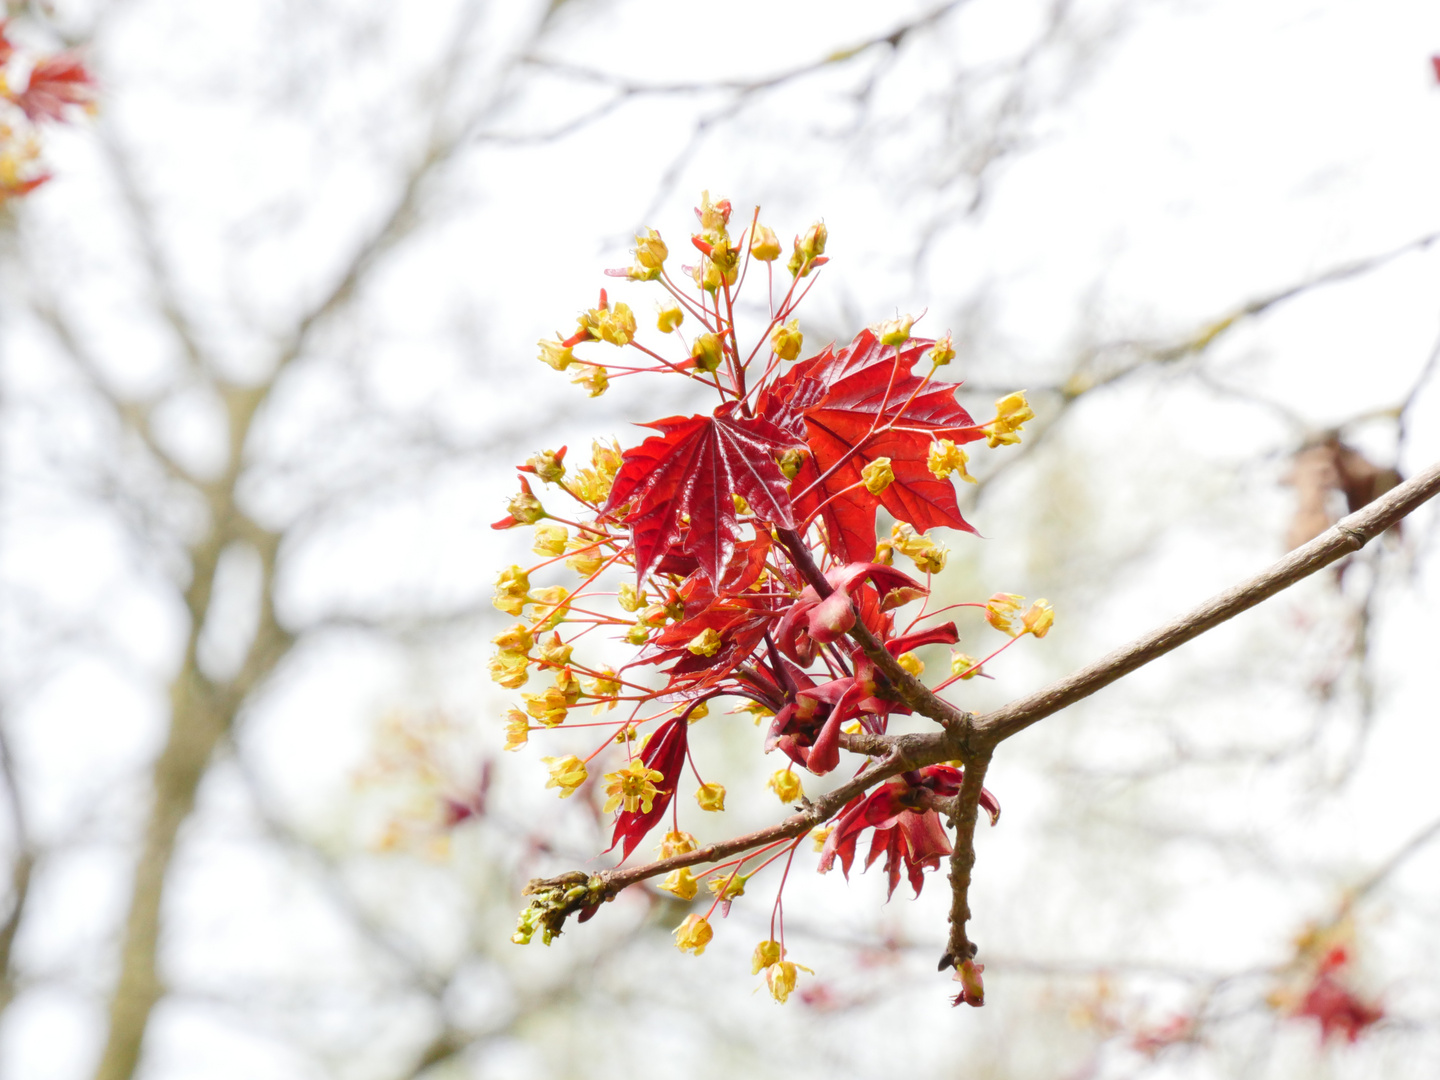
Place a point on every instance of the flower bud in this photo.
(942, 352)
(786, 786)
(670, 319)
(1039, 618)
(711, 797)
(550, 539)
(812, 245)
(877, 475)
(707, 352)
(638, 634)
(894, 331)
(548, 465)
(764, 244)
(967, 667)
(650, 250)
(787, 340)
(911, 663)
(693, 934)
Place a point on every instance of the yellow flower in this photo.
(711, 797)
(790, 462)
(549, 706)
(921, 550)
(707, 352)
(946, 458)
(961, 664)
(634, 787)
(630, 598)
(787, 340)
(693, 934)
(510, 669)
(741, 506)
(1039, 618)
(781, 977)
(1011, 412)
(650, 251)
(613, 324)
(605, 687)
(699, 712)
(755, 709)
(877, 475)
(998, 610)
(588, 556)
(727, 886)
(593, 378)
(764, 244)
(557, 355)
(786, 786)
(670, 319)
(911, 663)
(555, 652)
(942, 352)
(516, 639)
(705, 643)
(682, 883)
(568, 684)
(638, 634)
(566, 773)
(517, 729)
(813, 244)
(550, 539)
(894, 331)
(819, 836)
(765, 954)
(550, 606)
(548, 465)
(511, 591)
(677, 843)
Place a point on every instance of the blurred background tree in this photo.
(267, 364)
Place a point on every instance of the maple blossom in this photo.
(736, 552)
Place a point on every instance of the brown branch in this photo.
(1348, 535)
(965, 817)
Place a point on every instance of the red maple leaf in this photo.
(874, 406)
(679, 486)
(55, 82)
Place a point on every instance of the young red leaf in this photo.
(689, 472)
(876, 407)
(55, 82)
(665, 752)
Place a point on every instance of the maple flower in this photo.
(786, 786)
(634, 787)
(925, 553)
(765, 954)
(549, 707)
(588, 556)
(670, 319)
(605, 686)
(605, 323)
(705, 643)
(945, 458)
(630, 598)
(942, 352)
(516, 639)
(568, 685)
(787, 340)
(819, 836)
(812, 246)
(764, 244)
(911, 663)
(510, 669)
(877, 475)
(549, 465)
(1038, 619)
(550, 539)
(964, 665)
(512, 591)
(650, 251)
(593, 378)
(1011, 412)
(707, 352)
(677, 843)
(894, 331)
(557, 354)
(517, 729)
(728, 887)
(711, 797)
(693, 934)
(780, 977)
(567, 773)
(998, 610)
(682, 883)
(790, 462)
(555, 652)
